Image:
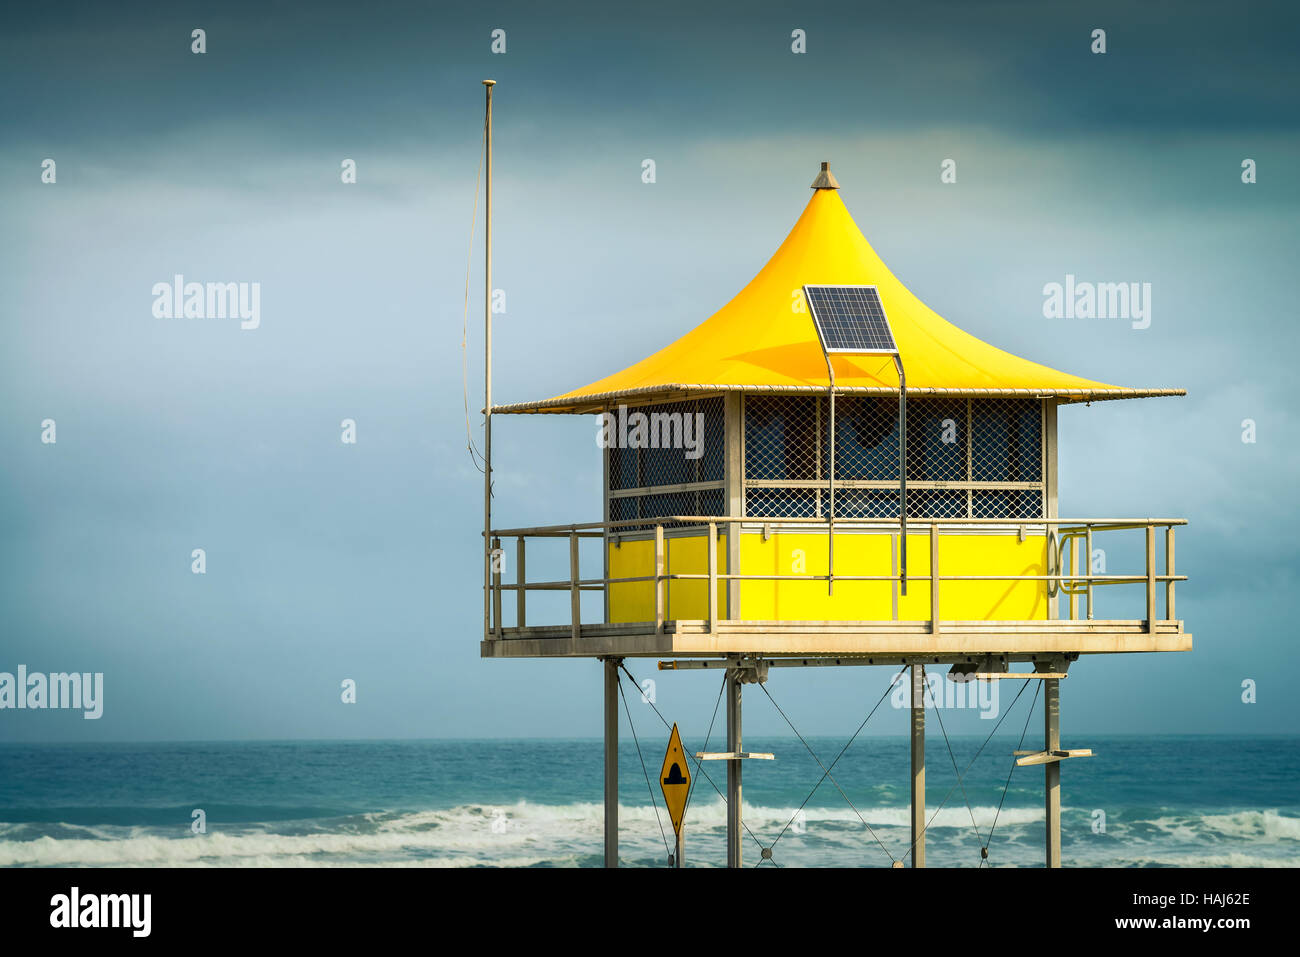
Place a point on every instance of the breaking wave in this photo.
(568, 835)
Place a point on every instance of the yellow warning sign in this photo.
(675, 780)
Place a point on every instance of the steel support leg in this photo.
(733, 769)
(1052, 770)
(918, 766)
(611, 761)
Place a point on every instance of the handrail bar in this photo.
(542, 531)
(1060, 532)
(724, 576)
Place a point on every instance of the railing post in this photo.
(1050, 566)
(1151, 579)
(1074, 571)
(575, 595)
(934, 579)
(1169, 570)
(713, 577)
(1087, 564)
(520, 599)
(660, 584)
(497, 555)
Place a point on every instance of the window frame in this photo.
(969, 483)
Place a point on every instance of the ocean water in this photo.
(1141, 802)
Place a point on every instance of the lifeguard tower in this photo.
(827, 472)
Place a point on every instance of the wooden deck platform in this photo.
(887, 641)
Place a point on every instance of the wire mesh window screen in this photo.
(703, 502)
(784, 502)
(1006, 503)
(954, 446)
(779, 437)
(867, 502)
(1006, 440)
(672, 443)
(934, 503)
(936, 440)
(866, 439)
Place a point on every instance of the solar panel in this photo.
(850, 319)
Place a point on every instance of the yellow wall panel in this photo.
(632, 601)
(687, 555)
(790, 553)
(1001, 554)
(787, 553)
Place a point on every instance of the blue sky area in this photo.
(328, 561)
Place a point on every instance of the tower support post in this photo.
(611, 760)
(1052, 770)
(918, 765)
(488, 631)
(733, 768)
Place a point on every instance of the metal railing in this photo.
(1063, 539)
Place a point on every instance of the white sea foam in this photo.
(1232, 859)
(526, 834)
(1269, 825)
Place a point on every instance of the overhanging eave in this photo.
(598, 401)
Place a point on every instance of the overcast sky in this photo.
(328, 561)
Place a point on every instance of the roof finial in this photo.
(825, 179)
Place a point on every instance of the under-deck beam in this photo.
(885, 641)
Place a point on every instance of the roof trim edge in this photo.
(588, 404)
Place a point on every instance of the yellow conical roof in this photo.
(764, 340)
